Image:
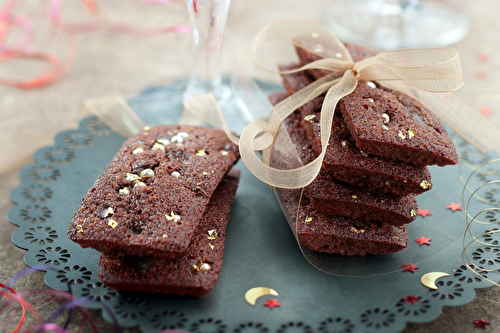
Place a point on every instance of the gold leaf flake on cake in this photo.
(158, 146)
(360, 231)
(425, 184)
(204, 173)
(401, 135)
(211, 246)
(131, 177)
(79, 228)
(385, 127)
(413, 213)
(411, 133)
(310, 118)
(309, 219)
(138, 150)
(386, 118)
(201, 152)
(147, 173)
(173, 217)
(112, 223)
(139, 184)
(124, 191)
(212, 234)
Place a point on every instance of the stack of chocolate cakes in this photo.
(376, 162)
(158, 212)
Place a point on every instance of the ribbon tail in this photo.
(115, 112)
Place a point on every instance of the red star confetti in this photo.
(423, 240)
(486, 110)
(423, 212)
(480, 74)
(483, 57)
(409, 268)
(271, 303)
(412, 299)
(481, 323)
(454, 206)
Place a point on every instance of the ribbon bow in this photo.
(433, 70)
(419, 72)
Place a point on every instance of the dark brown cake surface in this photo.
(390, 124)
(193, 273)
(384, 122)
(334, 234)
(346, 162)
(332, 197)
(151, 197)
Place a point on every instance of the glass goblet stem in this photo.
(208, 20)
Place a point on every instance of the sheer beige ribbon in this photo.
(420, 73)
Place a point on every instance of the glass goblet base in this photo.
(218, 88)
(393, 24)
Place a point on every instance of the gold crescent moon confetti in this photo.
(253, 294)
(429, 279)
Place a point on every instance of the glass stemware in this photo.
(389, 24)
(208, 20)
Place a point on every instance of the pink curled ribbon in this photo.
(25, 48)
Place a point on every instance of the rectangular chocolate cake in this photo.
(193, 273)
(347, 162)
(332, 197)
(151, 197)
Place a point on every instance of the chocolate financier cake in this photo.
(348, 163)
(341, 235)
(194, 272)
(329, 196)
(387, 123)
(390, 124)
(152, 195)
